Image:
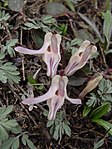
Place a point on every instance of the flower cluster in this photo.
(50, 52)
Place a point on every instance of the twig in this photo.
(23, 69)
(103, 57)
(21, 34)
(31, 117)
(37, 104)
(8, 32)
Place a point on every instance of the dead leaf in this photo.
(55, 9)
(91, 85)
(77, 81)
(15, 5)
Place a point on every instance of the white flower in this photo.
(50, 51)
(80, 58)
(55, 96)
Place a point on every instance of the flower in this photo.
(80, 58)
(50, 51)
(55, 96)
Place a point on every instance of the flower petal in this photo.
(80, 58)
(52, 60)
(54, 104)
(47, 42)
(86, 56)
(51, 92)
(55, 43)
(74, 101)
(83, 46)
(31, 101)
(76, 57)
(52, 57)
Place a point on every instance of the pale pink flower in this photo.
(55, 96)
(80, 58)
(50, 51)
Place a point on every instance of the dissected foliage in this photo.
(103, 94)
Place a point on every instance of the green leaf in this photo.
(31, 80)
(76, 81)
(52, 129)
(11, 72)
(94, 100)
(30, 144)
(3, 120)
(108, 52)
(85, 34)
(107, 25)
(3, 77)
(15, 144)
(11, 42)
(72, 44)
(100, 111)
(32, 25)
(4, 16)
(86, 111)
(37, 36)
(2, 55)
(48, 19)
(92, 25)
(9, 45)
(9, 124)
(7, 144)
(108, 5)
(98, 144)
(104, 124)
(4, 111)
(50, 123)
(67, 129)
(28, 141)
(23, 140)
(70, 5)
(3, 134)
(16, 129)
(56, 132)
(45, 113)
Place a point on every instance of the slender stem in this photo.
(8, 32)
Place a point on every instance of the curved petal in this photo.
(52, 57)
(51, 92)
(77, 62)
(83, 46)
(52, 60)
(54, 105)
(76, 57)
(47, 42)
(74, 101)
(31, 101)
(55, 43)
(26, 50)
(86, 56)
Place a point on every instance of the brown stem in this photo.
(7, 30)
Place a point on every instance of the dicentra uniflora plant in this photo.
(98, 103)
(57, 93)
